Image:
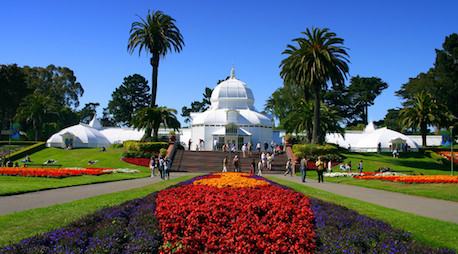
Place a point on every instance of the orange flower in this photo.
(234, 180)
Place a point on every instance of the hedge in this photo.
(138, 146)
(313, 151)
(27, 150)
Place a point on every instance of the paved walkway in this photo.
(20, 202)
(428, 207)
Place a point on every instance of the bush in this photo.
(163, 152)
(138, 146)
(313, 151)
(27, 150)
(116, 146)
(138, 154)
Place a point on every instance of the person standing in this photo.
(225, 162)
(329, 166)
(152, 165)
(166, 172)
(259, 168)
(289, 168)
(269, 162)
(236, 163)
(360, 166)
(249, 147)
(303, 167)
(319, 170)
(244, 150)
(161, 166)
(215, 145)
(252, 167)
(349, 166)
(189, 144)
(258, 147)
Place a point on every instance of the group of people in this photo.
(347, 166)
(160, 164)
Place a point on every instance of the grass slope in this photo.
(430, 231)
(70, 158)
(20, 225)
(411, 163)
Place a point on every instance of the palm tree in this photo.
(157, 35)
(152, 118)
(318, 58)
(423, 110)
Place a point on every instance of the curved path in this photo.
(427, 207)
(20, 202)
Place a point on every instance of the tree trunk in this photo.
(154, 61)
(34, 124)
(316, 115)
(423, 130)
(156, 134)
(366, 117)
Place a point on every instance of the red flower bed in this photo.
(57, 173)
(413, 179)
(137, 161)
(448, 156)
(206, 219)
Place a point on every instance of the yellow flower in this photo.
(231, 180)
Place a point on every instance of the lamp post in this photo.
(451, 149)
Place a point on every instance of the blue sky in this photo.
(393, 40)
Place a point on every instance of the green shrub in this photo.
(163, 152)
(138, 154)
(116, 146)
(313, 151)
(139, 146)
(27, 150)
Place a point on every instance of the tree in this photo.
(441, 81)
(362, 92)
(88, 112)
(57, 83)
(130, 96)
(153, 118)
(391, 120)
(424, 110)
(13, 90)
(197, 106)
(318, 58)
(157, 35)
(33, 109)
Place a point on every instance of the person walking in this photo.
(319, 170)
(289, 168)
(252, 167)
(244, 150)
(166, 172)
(360, 166)
(152, 165)
(250, 147)
(225, 163)
(215, 145)
(303, 167)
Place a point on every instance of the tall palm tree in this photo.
(152, 118)
(423, 110)
(157, 35)
(318, 57)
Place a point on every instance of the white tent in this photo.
(81, 135)
(118, 135)
(368, 142)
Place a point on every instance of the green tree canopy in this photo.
(13, 90)
(88, 112)
(423, 110)
(153, 118)
(317, 58)
(130, 96)
(197, 106)
(362, 93)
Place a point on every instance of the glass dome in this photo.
(232, 94)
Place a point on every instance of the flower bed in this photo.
(128, 228)
(207, 219)
(197, 217)
(137, 161)
(413, 179)
(55, 173)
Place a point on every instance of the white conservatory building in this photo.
(231, 119)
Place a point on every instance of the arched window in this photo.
(231, 129)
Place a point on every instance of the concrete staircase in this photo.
(211, 161)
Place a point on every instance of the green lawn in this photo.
(70, 158)
(411, 163)
(429, 231)
(20, 225)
